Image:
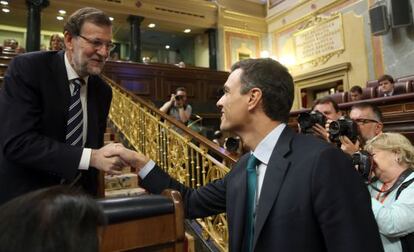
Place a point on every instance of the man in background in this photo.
(368, 117)
(355, 93)
(386, 86)
(54, 109)
(178, 106)
(330, 109)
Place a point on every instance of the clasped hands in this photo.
(113, 157)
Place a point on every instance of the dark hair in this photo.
(275, 82)
(356, 88)
(87, 14)
(180, 89)
(50, 219)
(374, 108)
(325, 100)
(386, 77)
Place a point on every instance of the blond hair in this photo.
(396, 143)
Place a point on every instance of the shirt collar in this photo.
(71, 72)
(265, 148)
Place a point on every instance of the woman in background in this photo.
(56, 43)
(393, 192)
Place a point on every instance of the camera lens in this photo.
(334, 127)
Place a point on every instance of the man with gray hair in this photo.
(54, 108)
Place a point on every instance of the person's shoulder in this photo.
(310, 142)
(38, 55)
(33, 62)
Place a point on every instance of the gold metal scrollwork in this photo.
(184, 160)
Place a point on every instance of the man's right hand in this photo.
(320, 132)
(104, 159)
(348, 146)
(134, 159)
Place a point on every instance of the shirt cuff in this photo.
(146, 169)
(85, 159)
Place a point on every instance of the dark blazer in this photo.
(33, 115)
(311, 200)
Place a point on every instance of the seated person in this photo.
(368, 117)
(386, 86)
(177, 106)
(56, 42)
(330, 109)
(49, 220)
(392, 195)
(355, 93)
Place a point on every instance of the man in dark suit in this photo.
(386, 86)
(306, 194)
(52, 125)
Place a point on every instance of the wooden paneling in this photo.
(156, 82)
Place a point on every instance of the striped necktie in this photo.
(74, 126)
(250, 200)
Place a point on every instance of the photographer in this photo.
(330, 109)
(393, 193)
(177, 106)
(368, 118)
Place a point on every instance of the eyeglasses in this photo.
(361, 121)
(97, 43)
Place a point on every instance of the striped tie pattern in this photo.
(74, 126)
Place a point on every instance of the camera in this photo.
(307, 119)
(178, 97)
(363, 163)
(343, 127)
(232, 144)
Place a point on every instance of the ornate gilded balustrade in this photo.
(184, 154)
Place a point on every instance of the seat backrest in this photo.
(405, 78)
(372, 83)
(369, 92)
(340, 97)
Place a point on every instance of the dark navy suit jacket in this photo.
(312, 200)
(33, 116)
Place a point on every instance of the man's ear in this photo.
(378, 128)
(68, 40)
(255, 97)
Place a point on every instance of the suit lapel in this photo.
(275, 174)
(236, 211)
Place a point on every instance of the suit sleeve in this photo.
(21, 138)
(204, 201)
(342, 205)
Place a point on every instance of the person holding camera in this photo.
(177, 106)
(393, 191)
(368, 118)
(330, 109)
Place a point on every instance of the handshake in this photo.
(113, 157)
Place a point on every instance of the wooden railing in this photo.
(186, 155)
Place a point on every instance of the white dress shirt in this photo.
(86, 153)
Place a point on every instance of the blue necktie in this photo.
(74, 126)
(250, 200)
